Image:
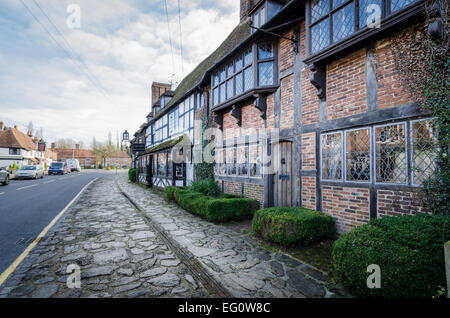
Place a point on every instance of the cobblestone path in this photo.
(156, 250)
(119, 256)
(243, 267)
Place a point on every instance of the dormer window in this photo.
(264, 13)
(259, 17)
(331, 21)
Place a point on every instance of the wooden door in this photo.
(283, 184)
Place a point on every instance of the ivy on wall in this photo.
(204, 170)
(422, 58)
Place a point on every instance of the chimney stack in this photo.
(30, 134)
(53, 145)
(158, 89)
(2, 126)
(246, 7)
(77, 146)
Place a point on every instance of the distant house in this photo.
(88, 159)
(19, 148)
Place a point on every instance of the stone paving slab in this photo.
(243, 267)
(118, 254)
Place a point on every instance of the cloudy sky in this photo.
(94, 79)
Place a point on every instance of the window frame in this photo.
(411, 142)
(369, 129)
(385, 13)
(341, 132)
(406, 153)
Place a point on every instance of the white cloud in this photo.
(125, 45)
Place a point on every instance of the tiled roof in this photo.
(77, 153)
(13, 138)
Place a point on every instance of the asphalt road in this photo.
(28, 206)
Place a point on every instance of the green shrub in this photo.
(170, 192)
(408, 249)
(132, 175)
(208, 187)
(215, 209)
(285, 225)
(229, 196)
(234, 208)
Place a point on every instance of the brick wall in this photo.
(270, 119)
(287, 102)
(346, 86)
(391, 92)
(309, 151)
(254, 191)
(286, 52)
(251, 118)
(349, 206)
(232, 187)
(309, 192)
(230, 126)
(400, 202)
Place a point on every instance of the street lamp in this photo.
(126, 136)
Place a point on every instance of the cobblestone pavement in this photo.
(118, 254)
(159, 251)
(243, 267)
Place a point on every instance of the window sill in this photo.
(363, 35)
(245, 96)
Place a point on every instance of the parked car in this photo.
(73, 164)
(30, 172)
(57, 168)
(4, 176)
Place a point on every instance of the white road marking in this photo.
(22, 256)
(2, 193)
(30, 186)
(49, 181)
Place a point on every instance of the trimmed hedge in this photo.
(132, 175)
(286, 226)
(208, 187)
(213, 209)
(408, 249)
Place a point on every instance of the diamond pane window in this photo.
(319, 8)
(254, 161)
(231, 160)
(216, 80)
(216, 96)
(391, 154)
(424, 148)
(365, 12)
(337, 3)
(239, 83)
(248, 78)
(332, 156)
(343, 22)
(242, 159)
(320, 36)
(399, 4)
(265, 73)
(265, 51)
(222, 92)
(248, 58)
(357, 155)
(223, 75)
(230, 89)
(230, 70)
(239, 63)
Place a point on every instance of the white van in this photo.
(73, 164)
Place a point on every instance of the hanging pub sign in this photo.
(41, 146)
(138, 147)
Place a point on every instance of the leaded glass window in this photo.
(265, 73)
(357, 155)
(343, 22)
(332, 156)
(399, 4)
(424, 149)
(242, 160)
(391, 159)
(239, 83)
(248, 78)
(331, 21)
